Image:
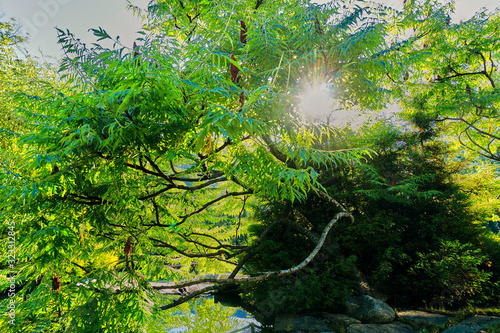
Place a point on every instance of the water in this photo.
(203, 315)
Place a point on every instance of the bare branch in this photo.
(208, 204)
(239, 220)
(147, 171)
(220, 246)
(86, 199)
(459, 75)
(157, 193)
(186, 298)
(81, 267)
(157, 212)
(265, 275)
(486, 70)
(183, 187)
(187, 254)
(326, 197)
(157, 168)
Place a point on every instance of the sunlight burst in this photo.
(318, 106)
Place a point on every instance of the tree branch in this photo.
(183, 187)
(459, 75)
(186, 298)
(189, 255)
(278, 154)
(265, 275)
(208, 204)
(471, 126)
(486, 70)
(220, 246)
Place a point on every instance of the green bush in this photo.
(455, 274)
(418, 233)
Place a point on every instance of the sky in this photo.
(39, 17)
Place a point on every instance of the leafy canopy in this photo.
(144, 163)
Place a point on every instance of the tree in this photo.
(20, 73)
(9, 38)
(452, 78)
(148, 162)
(152, 157)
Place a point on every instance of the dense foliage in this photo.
(452, 77)
(154, 166)
(418, 234)
(148, 158)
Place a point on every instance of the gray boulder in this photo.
(369, 310)
(395, 327)
(421, 319)
(473, 324)
(339, 322)
(299, 323)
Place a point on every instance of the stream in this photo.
(208, 314)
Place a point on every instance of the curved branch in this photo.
(328, 198)
(486, 70)
(218, 247)
(493, 157)
(265, 275)
(186, 298)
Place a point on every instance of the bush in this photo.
(455, 274)
(417, 235)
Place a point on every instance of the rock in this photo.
(381, 328)
(339, 322)
(475, 324)
(299, 323)
(369, 310)
(420, 319)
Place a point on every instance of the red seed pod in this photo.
(468, 89)
(243, 32)
(407, 76)
(317, 25)
(242, 98)
(55, 170)
(56, 284)
(234, 70)
(127, 250)
(136, 54)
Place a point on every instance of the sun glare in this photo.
(318, 106)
